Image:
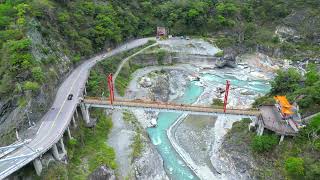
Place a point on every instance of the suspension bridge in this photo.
(121, 103)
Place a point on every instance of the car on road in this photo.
(70, 96)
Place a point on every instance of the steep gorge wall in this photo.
(18, 110)
(41, 42)
(168, 58)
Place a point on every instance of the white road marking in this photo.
(39, 128)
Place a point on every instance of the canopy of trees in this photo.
(86, 27)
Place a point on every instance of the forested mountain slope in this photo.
(42, 40)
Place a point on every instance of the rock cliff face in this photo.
(21, 111)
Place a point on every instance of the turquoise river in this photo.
(175, 167)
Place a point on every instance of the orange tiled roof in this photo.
(284, 103)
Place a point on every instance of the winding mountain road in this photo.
(57, 119)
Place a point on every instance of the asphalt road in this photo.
(57, 119)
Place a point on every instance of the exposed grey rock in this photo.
(286, 33)
(149, 164)
(228, 60)
(102, 173)
(160, 89)
(145, 82)
(195, 134)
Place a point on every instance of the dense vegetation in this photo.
(97, 83)
(42, 40)
(305, 90)
(37, 37)
(90, 146)
(81, 28)
(295, 158)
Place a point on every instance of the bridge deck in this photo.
(99, 102)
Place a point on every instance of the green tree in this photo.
(22, 10)
(286, 81)
(227, 9)
(312, 74)
(106, 29)
(264, 143)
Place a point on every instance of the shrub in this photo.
(315, 124)
(137, 145)
(263, 143)
(313, 171)
(55, 170)
(219, 54)
(227, 41)
(311, 130)
(286, 81)
(275, 39)
(151, 42)
(160, 56)
(217, 102)
(317, 144)
(76, 58)
(31, 86)
(294, 166)
(264, 100)
(37, 74)
(72, 142)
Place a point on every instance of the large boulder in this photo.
(102, 173)
(229, 60)
(145, 82)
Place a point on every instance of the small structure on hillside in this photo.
(161, 32)
(282, 118)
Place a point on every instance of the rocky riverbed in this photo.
(195, 133)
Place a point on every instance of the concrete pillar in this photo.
(77, 112)
(37, 166)
(55, 152)
(17, 135)
(281, 139)
(260, 129)
(85, 113)
(74, 122)
(62, 146)
(69, 133)
(85, 91)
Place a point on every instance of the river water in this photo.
(173, 163)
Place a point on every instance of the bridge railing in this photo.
(141, 102)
